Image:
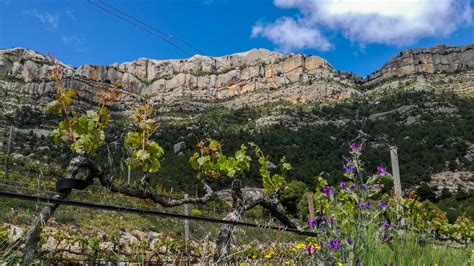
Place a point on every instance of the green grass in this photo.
(419, 255)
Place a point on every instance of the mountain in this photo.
(295, 105)
(244, 79)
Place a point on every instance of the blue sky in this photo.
(352, 35)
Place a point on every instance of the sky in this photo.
(352, 35)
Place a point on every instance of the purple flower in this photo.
(365, 206)
(349, 169)
(363, 186)
(308, 248)
(323, 220)
(349, 241)
(334, 244)
(382, 204)
(313, 222)
(387, 237)
(388, 225)
(352, 146)
(343, 185)
(381, 170)
(331, 220)
(352, 186)
(328, 191)
(355, 148)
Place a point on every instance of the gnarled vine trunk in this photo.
(39, 223)
(243, 199)
(224, 239)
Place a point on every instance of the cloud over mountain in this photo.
(363, 21)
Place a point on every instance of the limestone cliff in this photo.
(440, 59)
(244, 79)
(197, 83)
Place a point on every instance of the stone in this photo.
(15, 233)
(178, 147)
(452, 181)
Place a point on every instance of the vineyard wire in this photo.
(149, 212)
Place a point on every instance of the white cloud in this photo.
(390, 22)
(50, 20)
(290, 34)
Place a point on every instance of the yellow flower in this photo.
(268, 256)
(339, 264)
(254, 257)
(301, 246)
(316, 246)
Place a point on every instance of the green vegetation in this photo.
(435, 142)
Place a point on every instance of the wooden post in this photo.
(186, 226)
(310, 206)
(8, 152)
(129, 168)
(396, 171)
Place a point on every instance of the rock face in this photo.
(440, 59)
(453, 182)
(244, 79)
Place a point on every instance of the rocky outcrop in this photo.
(200, 82)
(453, 182)
(440, 59)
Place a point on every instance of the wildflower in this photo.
(313, 222)
(328, 191)
(381, 170)
(323, 220)
(352, 186)
(363, 186)
(269, 255)
(349, 241)
(388, 225)
(387, 237)
(343, 185)
(339, 264)
(352, 146)
(365, 206)
(349, 169)
(334, 244)
(309, 248)
(382, 204)
(301, 246)
(355, 148)
(331, 220)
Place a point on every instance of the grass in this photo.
(413, 254)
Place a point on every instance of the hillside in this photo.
(293, 105)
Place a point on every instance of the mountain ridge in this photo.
(250, 78)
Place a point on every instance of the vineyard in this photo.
(92, 215)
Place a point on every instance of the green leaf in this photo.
(155, 165)
(142, 155)
(133, 139)
(203, 160)
(54, 107)
(193, 161)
